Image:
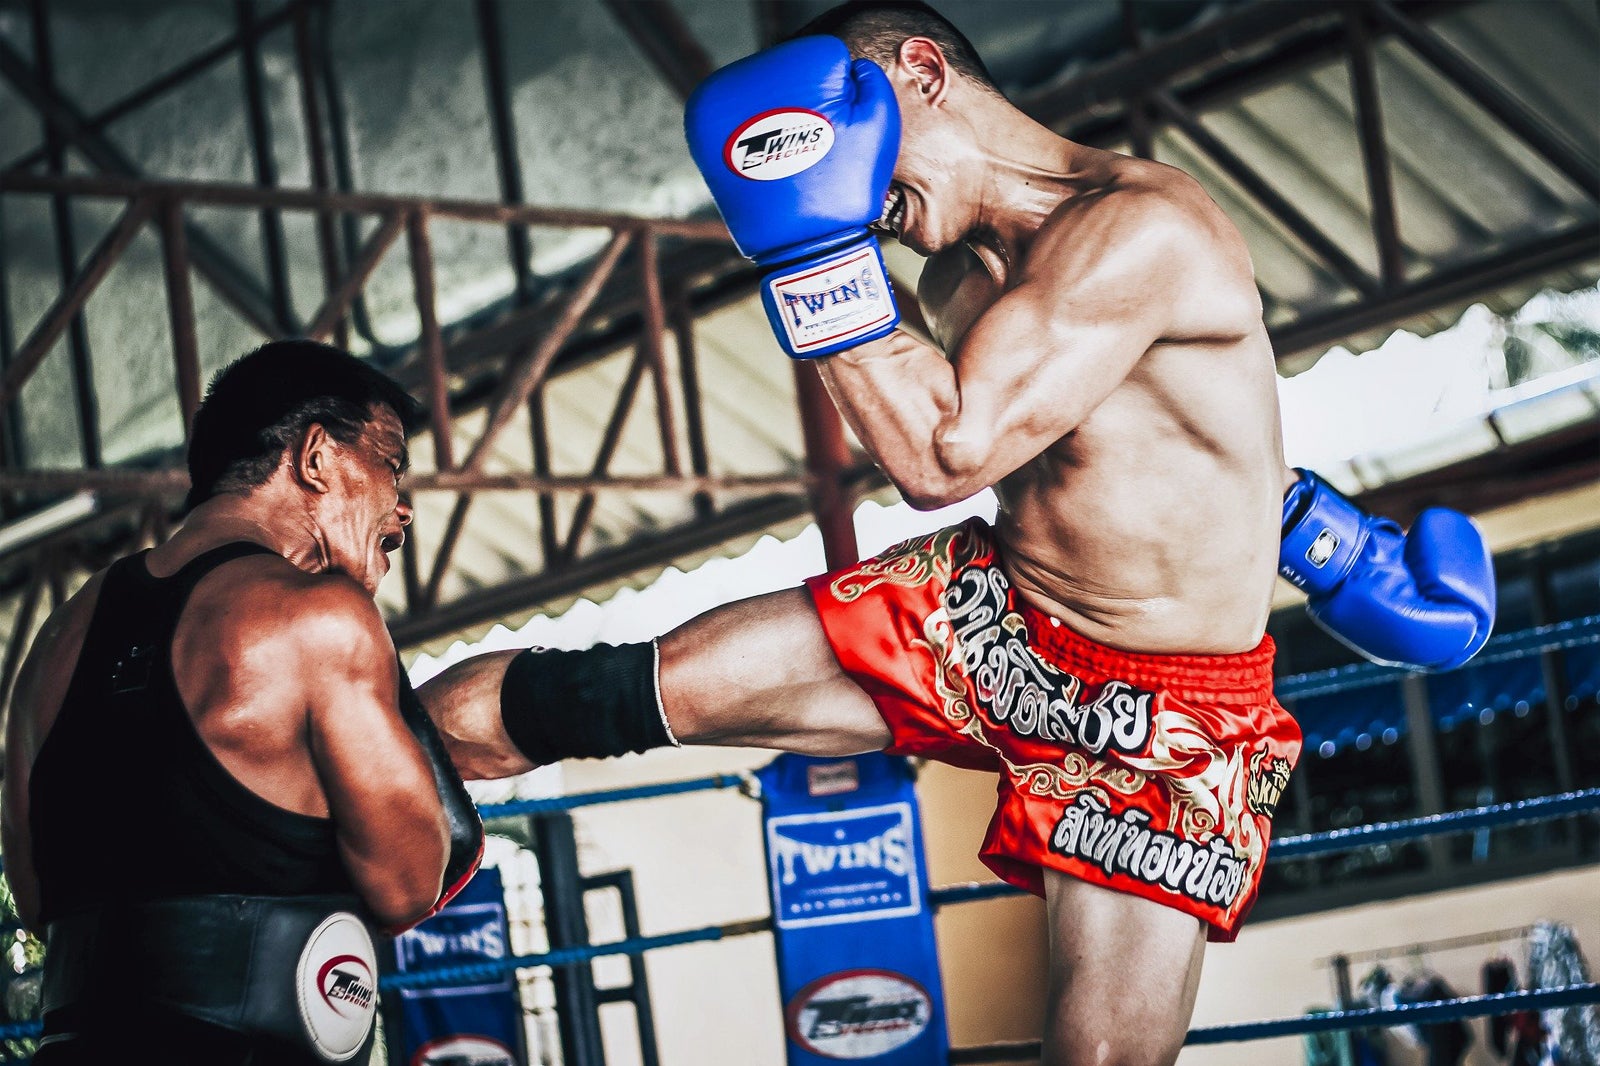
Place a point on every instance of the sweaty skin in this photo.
(1105, 367)
(284, 665)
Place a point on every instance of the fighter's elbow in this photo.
(408, 890)
(399, 911)
(930, 497)
(957, 470)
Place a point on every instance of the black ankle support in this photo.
(586, 704)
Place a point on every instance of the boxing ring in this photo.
(1531, 642)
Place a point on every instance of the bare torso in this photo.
(1152, 525)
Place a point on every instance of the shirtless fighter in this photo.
(1102, 647)
(216, 773)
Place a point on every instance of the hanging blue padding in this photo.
(1374, 713)
(1478, 693)
(1583, 671)
(1337, 720)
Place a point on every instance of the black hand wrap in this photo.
(466, 828)
(588, 704)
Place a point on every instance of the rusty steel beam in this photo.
(172, 79)
(1562, 250)
(1140, 131)
(522, 379)
(660, 33)
(503, 601)
(608, 448)
(305, 61)
(410, 569)
(453, 528)
(1276, 204)
(693, 406)
(502, 125)
(169, 482)
(262, 154)
(223, 194)
(61, 214)
(827, 459)
(770, 21)
(911, 318)
(539, 434)
(1531, 127)
(430, 340)
(334, 308)
(655, 326)
(180, 311)
(1374, 152)
(1164, 62)
(70, 302)
(226, 276)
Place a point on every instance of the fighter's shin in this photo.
(590, 704)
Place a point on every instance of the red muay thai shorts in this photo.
(1155, 775)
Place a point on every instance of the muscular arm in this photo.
(1096, 294)
(40, 690)
(387, 817)
(16, 837)
(464, 703)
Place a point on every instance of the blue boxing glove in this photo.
(1423, 599)
(797, 144)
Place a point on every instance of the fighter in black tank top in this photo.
(124, 755)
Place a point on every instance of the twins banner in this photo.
(479, 1023)
(857, 963)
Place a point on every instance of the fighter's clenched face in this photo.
(937, 192)
(358, 513)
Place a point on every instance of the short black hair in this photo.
(264, 402)
(875, 30)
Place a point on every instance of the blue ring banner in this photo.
(858, 966)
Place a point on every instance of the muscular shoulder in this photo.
(1151, 231)
(325, 619)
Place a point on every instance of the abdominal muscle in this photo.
(1151, 529)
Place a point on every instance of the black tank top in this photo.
(126, 802)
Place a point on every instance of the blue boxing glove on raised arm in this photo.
(1423, 599)
(797, 144)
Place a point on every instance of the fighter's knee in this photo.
(1105, 1048)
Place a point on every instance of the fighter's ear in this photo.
(313, 458)
(923, 65)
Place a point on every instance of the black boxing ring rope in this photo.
(1534, 641)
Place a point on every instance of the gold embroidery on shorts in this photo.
(911, 564)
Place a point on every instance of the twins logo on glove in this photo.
(778, 144)
(797, 145)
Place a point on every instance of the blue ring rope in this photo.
(1498, 814)
(1406, 1014)
(482, 971)
(1557, 636)
(546, 804)
(1429, 1013)
(1534, 810)
(1544, 808)
(20, 1031)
